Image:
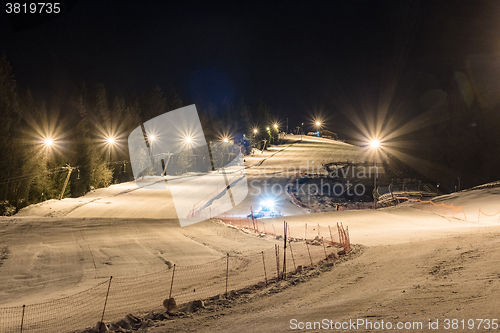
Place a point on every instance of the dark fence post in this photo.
(264, 262)
(348, 239)
(277, 252)
(284, 250)
(331, 237)
(171, 285)
(307, 245)
(324, 247)
(227, 271)
(22, 318)
(341, 235)
(105, 302)
(293, 259)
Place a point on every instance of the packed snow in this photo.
(418, 263)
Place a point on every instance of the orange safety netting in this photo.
(115, 298)
(453, 208)
(487, 215)
(306, 231)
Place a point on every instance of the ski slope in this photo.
(58, 248)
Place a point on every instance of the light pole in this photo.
(151, 139)
(375, 144)
(277, 131)
(318, 123)
(111, 141)
(47, 143)
(255, 131)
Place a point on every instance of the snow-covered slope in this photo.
(60, 247)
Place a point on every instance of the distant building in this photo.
(329, 135)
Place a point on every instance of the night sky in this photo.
(326, 58)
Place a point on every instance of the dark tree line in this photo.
(31, 170)
(458, 140)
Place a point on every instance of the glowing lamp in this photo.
(375, 144)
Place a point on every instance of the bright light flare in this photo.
(318, 123)
(268, 203)
(275, 126)
(189, 139)
(226, 140)
(110, 140)
(375, 143)
(48, 142)
(255, 130)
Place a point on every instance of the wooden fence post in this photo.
(264, 262)
(307, 245)
(22, 318)
(171, 285)
(105, 302)
(293, 259)
(341, 236)
(277, 252)
(227, 271)
(331, 237)
(324, 247)
(284, 250)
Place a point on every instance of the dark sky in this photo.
(302, 58)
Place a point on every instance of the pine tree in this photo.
(10, 117)
(95, 172)
(173, 99)
(152, 104)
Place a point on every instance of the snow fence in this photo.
(111, 300)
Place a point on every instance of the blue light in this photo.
(268, 203)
